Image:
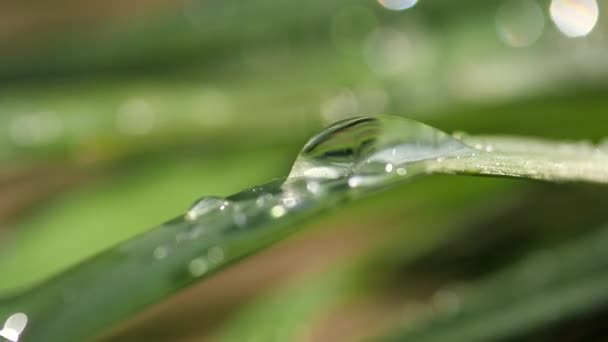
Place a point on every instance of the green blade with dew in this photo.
(348, 160)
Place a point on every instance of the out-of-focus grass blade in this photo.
(545, 288)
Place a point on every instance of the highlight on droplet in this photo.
(574, 18)
(397, 5)
(14, 326)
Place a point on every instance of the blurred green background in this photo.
(116, 116)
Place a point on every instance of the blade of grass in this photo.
(222, 231)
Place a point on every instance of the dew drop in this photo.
(278, 211)
(401, 171)
(359, 148)
(263, 199)
(354, 182)
(197, 267)
(161, 252)
(215, 255)
(224, 205)
(204, 206)
(240, 219)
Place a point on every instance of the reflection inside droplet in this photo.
(14, 326)
(574, 18)
(519, 23)
(397, 5)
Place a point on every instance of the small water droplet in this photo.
(240, 219)
(215, 255)
(278, 211)
(354, 182)
(197, 267)
(401, 171)
(224, 205)
(388, 168)
(161, 252)
(204, 206)
(263, 199)
(440, 159)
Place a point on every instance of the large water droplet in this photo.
(205, 205)
(366, 146)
